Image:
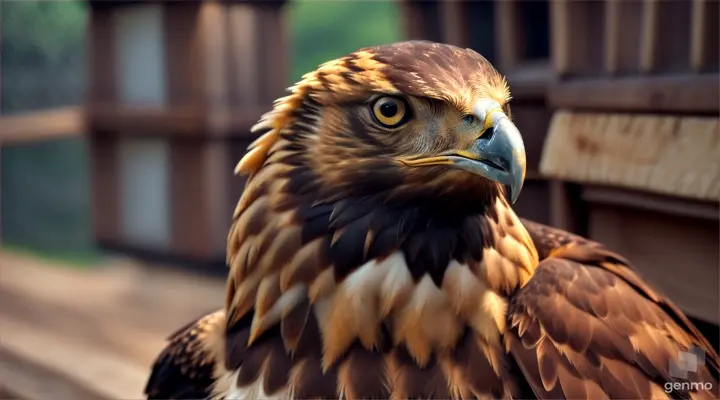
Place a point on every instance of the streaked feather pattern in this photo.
(350, 278)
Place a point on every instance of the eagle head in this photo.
(416, 122)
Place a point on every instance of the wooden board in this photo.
(670, 155)
(41, 125)
(678, 255)
(90, 334)
(681, 93)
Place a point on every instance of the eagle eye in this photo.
(390, 112)
(468, 119)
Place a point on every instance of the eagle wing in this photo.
(185, 369)
(586, 326)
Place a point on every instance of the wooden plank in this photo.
(649, 36)
(686, 93)
(1, 107)
(102, 63)
(677, 255)
(533, 121)
(180, 121)
(421, 19)
(105, 188)
(560, 49)
(412, 24)
(666, 36)
(453, 29)
(623, 20)
(577, 36)
(705, 48)
(508, 32)
(20, 377)
(56, 344)
(41, 125)
(201, 213)
(529, 82)
(666, 154)
(173, 121)
(243, 62)
(271, 58)
(649, 201)
(561, 210)
(183, 54)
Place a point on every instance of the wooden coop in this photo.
(173, 91)
(515, 37)
(618, 102)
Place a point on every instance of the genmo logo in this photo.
(686, 362)
(687, 386)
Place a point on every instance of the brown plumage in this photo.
(374, 255)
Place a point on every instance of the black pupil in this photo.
(468, 119)
(388, 109)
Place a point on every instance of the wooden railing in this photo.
(651, 55)
(42, 125)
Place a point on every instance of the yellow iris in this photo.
(389, 111)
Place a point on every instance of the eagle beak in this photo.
(498, 154)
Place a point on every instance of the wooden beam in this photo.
(564, 210)
(649, 201)
(43, 125)
(271, 58)
(530, 81)
(508, 32)
(56, 344)
(666, 36)
(181, 121)
(2, 4)
(687, 93)
(623, 20)
(453, 26)
(20, 376)
(705, 35)
(183, 53)
(559, 36)
(577, 36)
(649, 36)
(243, 55)
(41, 354)
(102, 63)
(172, 121)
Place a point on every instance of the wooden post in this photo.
(206, 83)
(508, 34)
(705, 37)
(2, 3)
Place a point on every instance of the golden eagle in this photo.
(374, 254)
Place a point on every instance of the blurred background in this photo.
(121, 122)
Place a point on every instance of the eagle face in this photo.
(416, 121)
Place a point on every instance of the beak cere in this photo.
(498, 154)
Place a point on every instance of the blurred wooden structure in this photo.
(618, 102)
(515, 37)
(174, 88)
(100, 345)
(635, 144)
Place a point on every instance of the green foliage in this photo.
(321, 30)
(43, 32)
(45, 186)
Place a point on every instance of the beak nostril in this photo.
(488, 134)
